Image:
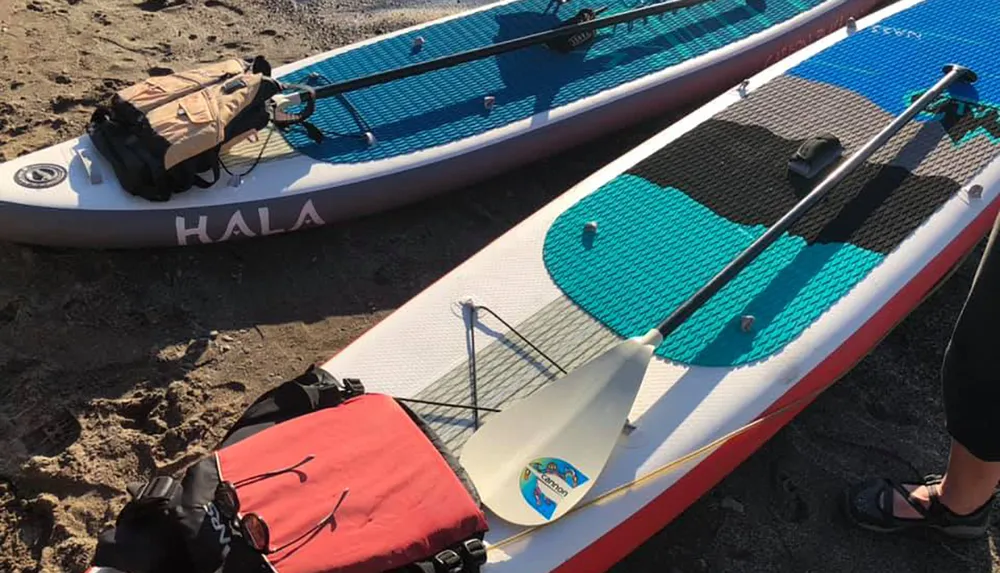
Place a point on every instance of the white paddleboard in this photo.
(430, 133)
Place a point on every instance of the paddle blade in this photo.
(535, 460)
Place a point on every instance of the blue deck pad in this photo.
(610, 273)
(439, 107)
(905, 53)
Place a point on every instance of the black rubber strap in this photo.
(815, 154)
(199, 182)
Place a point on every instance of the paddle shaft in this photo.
(953, 73)
(499, 48)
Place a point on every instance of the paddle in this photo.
(532, 462)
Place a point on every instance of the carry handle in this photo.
(953, 73)
(279, 104)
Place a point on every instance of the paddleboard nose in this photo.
(41, 178)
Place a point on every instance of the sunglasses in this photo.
(252, 527)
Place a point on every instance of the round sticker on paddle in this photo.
(546, 481)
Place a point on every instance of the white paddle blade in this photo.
(535, 460)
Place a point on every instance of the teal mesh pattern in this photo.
(439, 107)
(655, 247)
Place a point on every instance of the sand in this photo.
(115, 365)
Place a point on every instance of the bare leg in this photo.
(967, 485)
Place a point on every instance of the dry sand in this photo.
(114, 365)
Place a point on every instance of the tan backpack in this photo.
(161, 134)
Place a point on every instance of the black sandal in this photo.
(869, 505)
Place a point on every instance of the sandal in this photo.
(869, 505)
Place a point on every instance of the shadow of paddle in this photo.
(865, 212)
(681, 400)
(549, 75)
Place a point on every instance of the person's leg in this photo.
(970, 374)
(960, 500)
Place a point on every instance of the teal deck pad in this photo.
(655, 247)
(432, 109)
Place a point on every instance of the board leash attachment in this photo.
(537, 459)
(561, 36)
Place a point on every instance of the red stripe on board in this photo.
(643, 524)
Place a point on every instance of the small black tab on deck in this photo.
(815, 155)
(566, 44)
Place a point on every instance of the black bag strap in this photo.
(201, 183)
(449, 561)
(146, 537)
(312, 390)
(260, 65)
(119, 147)
(283, 119)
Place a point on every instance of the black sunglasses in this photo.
(255, 530)
(228, 502)
(252, 526)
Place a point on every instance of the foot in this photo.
(922, 494)
(886, 506)
(902, 507)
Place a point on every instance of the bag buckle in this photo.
(476, 551)
(449, 561)
(156, 495)
(158, 489)
(352, 387)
